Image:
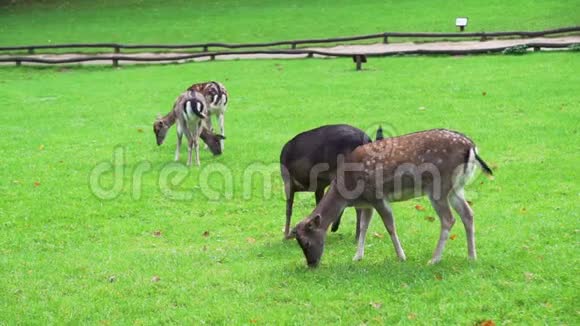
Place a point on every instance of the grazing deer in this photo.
(216, 97)
(308, 162)
(437, 163)
(190, 113)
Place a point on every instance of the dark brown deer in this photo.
(437, 163)
(308, 162)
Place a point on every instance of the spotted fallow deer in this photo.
(436, 163)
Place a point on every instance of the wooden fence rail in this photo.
(115, 59)
(116, 47)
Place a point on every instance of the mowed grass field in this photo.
(184, 21)
(161, 251)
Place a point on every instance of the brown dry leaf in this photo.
(205, 234)
(523, 210)
(438, 277)
(378, 235)
(41, 147)
(36, 183)
(16, 181)
(412, 316)
(429, 218)
(155, 279)
(157, 233)
(487, 323)
(419, 208)
(139, 129)
(453, 237)
(484, 93)
(253, 321)
(251, 240)
(376, 305)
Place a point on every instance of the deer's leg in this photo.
(189, 150)
(221, 117)
(179, 137)
(365, 220)
(443, 210)
(460, 205)
(289, 203)
(207, 124)
(189, 137)
(358, 220)
(387, 215)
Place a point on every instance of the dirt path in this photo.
(372, 49)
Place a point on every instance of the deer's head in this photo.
(310, 237)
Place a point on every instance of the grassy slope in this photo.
(249, 21)
(60, 244)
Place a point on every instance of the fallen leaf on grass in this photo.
(419, 208)
(484, 93)
(453, 237)
(205, 234)
(41, 147)
(251, 240)
(429, 218)
(547, 305)
(157, 233)
(36, 183)
(486, 323)
(412, 316)
(378, 235)
(376, 305)
(438, 277)
(139, 129)
(16, 181)
(523, 210)
(529, 276)
(155, 279)
(112, 278)
(253, 321)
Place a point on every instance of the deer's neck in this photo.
(330, 207)
(170, 118)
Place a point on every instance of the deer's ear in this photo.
(314, 222)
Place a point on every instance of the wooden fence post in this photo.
(30, 50)
(386, 39)
(117, 49)
(359, 59)
(115, 62)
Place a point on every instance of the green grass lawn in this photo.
(184, 21)
(147, 257)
